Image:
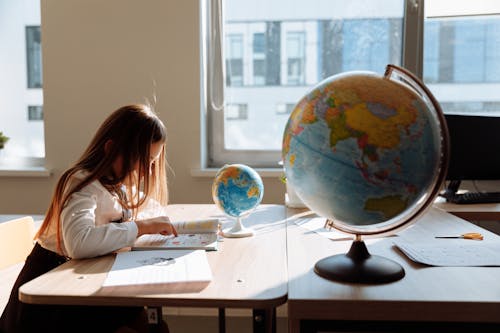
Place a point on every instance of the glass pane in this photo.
(21, 96)
(288, 46)
(462, 62)
(259, 42)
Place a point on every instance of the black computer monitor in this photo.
(474, 148)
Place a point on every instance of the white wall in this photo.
(99, 55)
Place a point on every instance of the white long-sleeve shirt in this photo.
(87, 229)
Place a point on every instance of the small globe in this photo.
(368, 152)
(237, 190)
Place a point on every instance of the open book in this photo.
(192, 235)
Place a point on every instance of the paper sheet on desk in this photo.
(452, 253)
(317, 224)
(158, 267)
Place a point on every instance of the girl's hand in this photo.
(155, 225)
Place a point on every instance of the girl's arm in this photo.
(82, 238)
(155, 225)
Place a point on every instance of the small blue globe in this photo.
(237, 189)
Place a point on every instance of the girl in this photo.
(94, 212)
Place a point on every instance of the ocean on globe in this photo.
(237, 189)
(363, 150)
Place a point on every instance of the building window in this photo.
(236, 112)
(35, 112)
(234, 61)
(259, 59)
(284, 108)
(34, 56)
(295, 53)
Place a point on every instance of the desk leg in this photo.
(293, 325)
(222, 320)
(264, 320)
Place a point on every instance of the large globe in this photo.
(366, 151)
(237, 189)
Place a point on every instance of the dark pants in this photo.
(22, 317)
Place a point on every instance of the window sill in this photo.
(28, 171)
(211, 172)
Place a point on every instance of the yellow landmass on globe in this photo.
(389, 206)
(253, 192)
(382, 133)
(355, 90)
(349, 115)
(336, 121)
(230, 173)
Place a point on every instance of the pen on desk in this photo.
(468, 235)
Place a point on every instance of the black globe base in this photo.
(359, 266)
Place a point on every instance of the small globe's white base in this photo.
(237, 231)
(244, 232)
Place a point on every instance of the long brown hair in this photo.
(129, 131)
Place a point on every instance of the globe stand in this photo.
(238, 230)
(359, 266)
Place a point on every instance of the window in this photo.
(259, 60)
(462, 56)
(295, 62)
(274, 52)
(35, 112)
(21, 83)
(285, 108)
(236, 112)
(234, 60)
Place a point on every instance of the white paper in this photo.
(452, 253)
(317, 224)
(158, 267)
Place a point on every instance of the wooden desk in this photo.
(473, 212)
(427, 299)
(247, 272)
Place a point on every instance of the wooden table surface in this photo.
(247, 272)
(444, 294)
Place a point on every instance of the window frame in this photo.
(213, 80)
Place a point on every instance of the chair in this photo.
(16, 242)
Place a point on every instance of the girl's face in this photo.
(154, 153)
